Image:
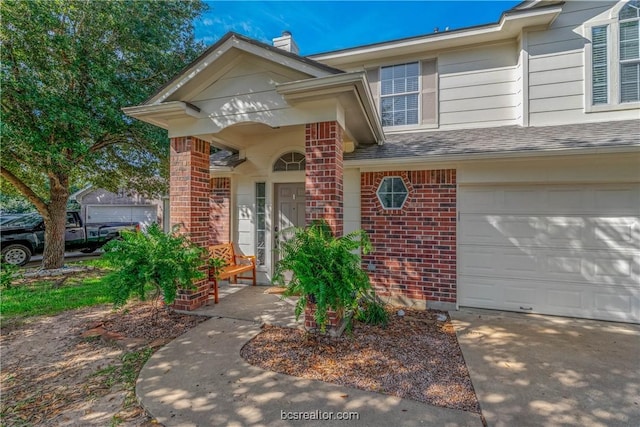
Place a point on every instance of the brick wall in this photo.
(220, 210)
(324, 174)
(414, 247)
(333, 319)
(323, 185)
(189, 193)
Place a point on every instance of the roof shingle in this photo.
(508, 139)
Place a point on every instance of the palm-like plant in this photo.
(325, 270)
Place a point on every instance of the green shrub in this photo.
(8, 274)
(325, 270)
(164, 261)
(371, 311)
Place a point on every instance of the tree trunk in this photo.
(55, 224)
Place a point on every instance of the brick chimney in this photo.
(286, 42)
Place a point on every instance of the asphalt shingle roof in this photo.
(506, 139)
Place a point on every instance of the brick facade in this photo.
(220, 222)
(414, 247)
(333, 319)
(190, 196)
(324, 174)
(324, 186)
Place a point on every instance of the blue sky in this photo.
(322, 26)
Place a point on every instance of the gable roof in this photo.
(507, 140)
(191, 70)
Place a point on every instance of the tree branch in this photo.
(25, 190)
(101, 143)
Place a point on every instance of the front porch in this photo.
(249, 204)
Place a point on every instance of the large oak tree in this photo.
(67, 69)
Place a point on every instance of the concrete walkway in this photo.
(531, 370)
(200, 379)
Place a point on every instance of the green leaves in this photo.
(325, 269)
(166, 262)
(68, 68)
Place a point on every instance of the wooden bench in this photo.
(235, 265)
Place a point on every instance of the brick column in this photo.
(189, 194)
(220, 224)
(323, 190)
(323, 180)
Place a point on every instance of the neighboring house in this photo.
(496, 166)
(98, 205)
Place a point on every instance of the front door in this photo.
(291, 207)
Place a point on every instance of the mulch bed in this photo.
(415, 357)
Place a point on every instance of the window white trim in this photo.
(392, 193)
(613, 71)
(418, 92)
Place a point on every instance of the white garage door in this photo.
(565, 250)
(145, 214)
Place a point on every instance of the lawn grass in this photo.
(46, 297)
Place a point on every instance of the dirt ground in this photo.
(78, 368)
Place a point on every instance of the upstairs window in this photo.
(399, 93)
(629, 18)
(615, 58)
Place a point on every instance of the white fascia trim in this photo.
(354, 82)
(514, 21)
(376, 163)
(220, 171)
(157, 114)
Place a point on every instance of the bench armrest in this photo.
(251, 258)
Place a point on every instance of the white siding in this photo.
(351, 187)
(557, 68)
(478, 87)
(247, 93)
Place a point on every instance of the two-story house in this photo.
(496, 166)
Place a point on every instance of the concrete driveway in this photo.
(531, 370)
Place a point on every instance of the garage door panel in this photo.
(145, 214)
(520, 297)
(481, 292)
(536, 296)
(567, 199)
(560, 265)
(561, 300)
(567, 249)
(611, 304)
(581, 232)
(518, 200)
(617, 199)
